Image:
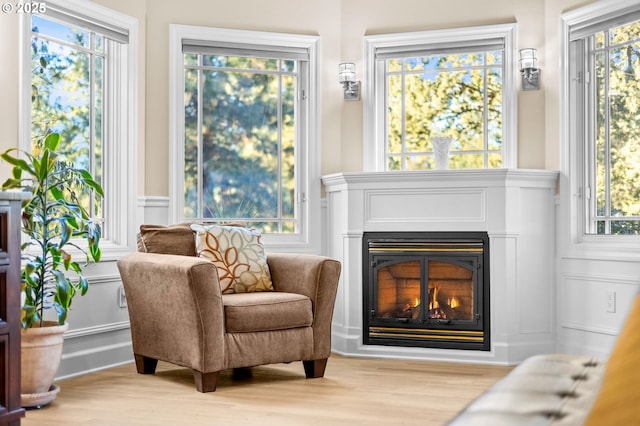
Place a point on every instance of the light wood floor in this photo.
(354, 391)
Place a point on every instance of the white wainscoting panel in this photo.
(425, 205)
(584, 302)
(99, 336)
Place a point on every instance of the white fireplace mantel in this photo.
(515, 207)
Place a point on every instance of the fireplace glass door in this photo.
(451, 290)
(426, 291)
(437, 290)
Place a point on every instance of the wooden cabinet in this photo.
(10, 214)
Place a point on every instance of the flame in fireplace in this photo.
(433, 302)
(453, 302)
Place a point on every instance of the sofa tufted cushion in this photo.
(266, 311)
(238, 255)
(548, 390)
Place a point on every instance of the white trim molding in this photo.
(121, 167)
(575, 243)
(309, 238)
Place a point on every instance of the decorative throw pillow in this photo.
(238, 254)
(173, 239)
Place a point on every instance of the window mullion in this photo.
(403, 108)
(485, 106)
(279, 148)
(300, 150)
(588, 128)
(199, 155)
(92, 115)
(607, 138)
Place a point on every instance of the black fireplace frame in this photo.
(467, 335)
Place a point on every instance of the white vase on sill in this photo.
(441, 145)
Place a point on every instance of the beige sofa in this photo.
(179, 314)
(567, 389)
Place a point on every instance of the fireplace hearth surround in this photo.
(516, 210)
(426, 289)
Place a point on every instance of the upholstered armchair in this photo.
(181, 313)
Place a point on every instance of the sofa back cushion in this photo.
(238, 255)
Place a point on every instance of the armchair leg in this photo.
(314, 368)
(206, 382)
(145, 365)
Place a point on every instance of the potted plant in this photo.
(54, 218)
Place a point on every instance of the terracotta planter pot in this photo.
(41, 352)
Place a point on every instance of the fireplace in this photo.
(515, 207)
(426, 289)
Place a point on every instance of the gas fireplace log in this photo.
(416, 312)
(448, 311)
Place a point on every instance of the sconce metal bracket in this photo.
(531, 81)
(352, 91)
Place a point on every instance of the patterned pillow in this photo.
(238, 255)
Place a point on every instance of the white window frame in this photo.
(374, 93)
(574, 161)
(119, 169)
(308, 172)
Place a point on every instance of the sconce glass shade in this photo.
(528, 59)
(347, 73)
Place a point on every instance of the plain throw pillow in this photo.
(238, 255)
(173, 239)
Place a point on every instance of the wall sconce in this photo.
(529, 69)
(347, 77)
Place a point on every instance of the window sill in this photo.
(622, 248)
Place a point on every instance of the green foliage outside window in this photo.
(457, 96)
(240, 142)
(67, 87)
(617, 128)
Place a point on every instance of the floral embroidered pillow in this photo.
(238, 255)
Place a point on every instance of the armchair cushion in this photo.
(238, 255)
(266, 311)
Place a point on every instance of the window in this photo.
(455, 84)
(240, 138)
(245, 120)
(67, 91)
(605, 85)
(82, 86)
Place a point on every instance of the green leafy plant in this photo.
(53, 218)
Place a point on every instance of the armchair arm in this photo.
(317, 278)
(175, 309)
